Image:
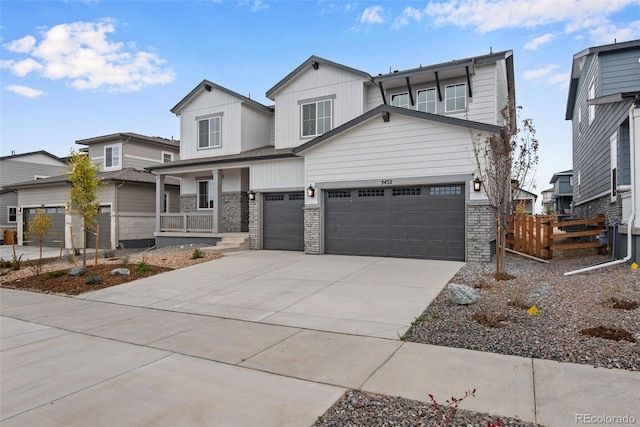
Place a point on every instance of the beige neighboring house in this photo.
(18, 168)
(127, 201)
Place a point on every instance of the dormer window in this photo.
(210, 131)
(400, 100)
(427, 100)
(112, 157)
(317, 117)
(455, 97)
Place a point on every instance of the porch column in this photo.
(217, 199)
(159, 199)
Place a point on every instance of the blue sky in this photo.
(78, 69)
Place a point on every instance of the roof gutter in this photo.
(632, 215)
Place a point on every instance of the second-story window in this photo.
(427, 100)
(209, 132)
(455, 97)
(316, 117)
(112, 157)
(400, 100)
(167, 157)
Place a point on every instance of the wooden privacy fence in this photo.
(540, 235)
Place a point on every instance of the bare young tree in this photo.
(506, 164)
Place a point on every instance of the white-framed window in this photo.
(455, 97)
(427, 100)
(317, 117)
(12, 214)
(165, 202)
(400, 100)
(592, 95)
(40, 176)
(112, 156)
(205, 194)
(167, 157)
(210, 132)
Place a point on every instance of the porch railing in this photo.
(187, 221)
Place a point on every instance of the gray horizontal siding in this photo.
(137, 198)
(13, 171)
(620, 72)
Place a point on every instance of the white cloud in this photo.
(407, 14)
(259, 5)
(372, 15)
(539, 41)
(490, 15)
(609, 33)
(23, 45)
(539, 73)
(25, 91)
(81, 54)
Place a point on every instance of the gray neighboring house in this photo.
(562, 192)
(127, 201)
(18, 168)
(603, 105)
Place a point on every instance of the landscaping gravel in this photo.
(568, 305)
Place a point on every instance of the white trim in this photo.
(302, 104)
(590, 199)
(457, 97)
(591, 95)
(427, 90)
(398, 94)
(198, 181)
(40, 176)
(9, 215)
(210, 133)
(613, 172)
(163, 153)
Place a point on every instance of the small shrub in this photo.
(519, 293)
(5, 263)
(445, 413)
(197, 253)
(617, 296)
(16, 262)
(109, 254)
(76, 251)
(492, 310)
(125, 260)
(92, 279)
(142, 267)
(57, 273)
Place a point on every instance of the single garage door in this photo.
(283, 221)
(406, 222)
(55, 236)
(104, 219)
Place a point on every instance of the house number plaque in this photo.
(386, 181)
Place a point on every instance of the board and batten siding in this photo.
(205, 104)
(231, 180)
(276, 174)
(256, 128)
(404, 147)
(346, 89)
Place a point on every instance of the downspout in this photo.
(632, 215)
(117, 214)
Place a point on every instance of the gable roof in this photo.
(576, 68)
(126, 175)
(557, 175)
(32, 153)
(385, 111)
(130, 135)
(314, 61)
(206, 85)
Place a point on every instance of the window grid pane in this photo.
(427, 100)
(203, 133)
(400, 100)
(455, 97)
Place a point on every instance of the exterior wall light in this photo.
(311, 192)
(477, 184)
(252, 195)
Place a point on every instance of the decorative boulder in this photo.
(462, 294)
(76, 271)
(120, 272)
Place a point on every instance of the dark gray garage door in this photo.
(104, 219)
(406, 222)
(283, 221)
(56, 232)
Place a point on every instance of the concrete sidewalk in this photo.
(258, 339)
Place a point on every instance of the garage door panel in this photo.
(414, 222)
(55, 236)
(283, 221)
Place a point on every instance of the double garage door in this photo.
(406, 222)
(57, 231)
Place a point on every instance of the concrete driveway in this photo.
(377, 297)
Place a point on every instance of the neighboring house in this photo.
(562, 192)
(547, 201)
(18, 168)
(127, 201)
(525, 202)
(603, 105)
(344, 162)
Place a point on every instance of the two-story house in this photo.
(562, 192)
(604, 94)
(127, 201)
(344, 162)
(22, 167)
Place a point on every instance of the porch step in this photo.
(229, 244)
